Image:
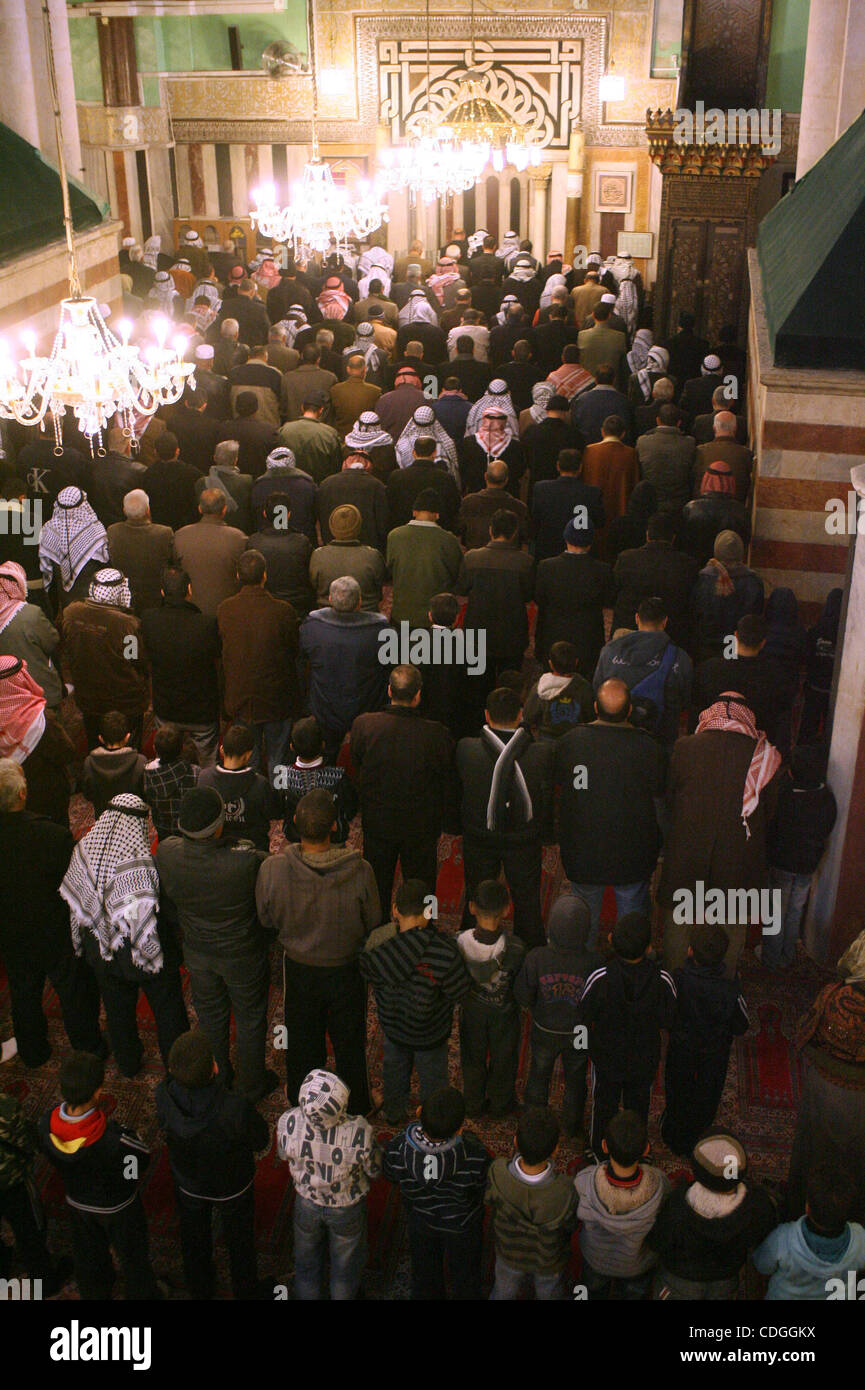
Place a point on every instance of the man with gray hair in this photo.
(141, 550)
(724, 398)
(725, 448)
(225, 477)
(335, 640)
(225, 345)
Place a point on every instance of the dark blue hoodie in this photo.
(212, 1136)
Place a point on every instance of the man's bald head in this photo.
(725, 425)
(613, 702)
(497, 473)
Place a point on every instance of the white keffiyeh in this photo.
(110, 586)
(417, 309)
(367, 433)
(112, 887)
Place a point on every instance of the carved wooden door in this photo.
(704, 275)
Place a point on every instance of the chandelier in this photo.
(484, 128)
(89, 371)
(433, 164)
(320, 216)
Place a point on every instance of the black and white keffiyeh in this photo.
(423, 421)
(497, 397)
(542, 394)
(508, 781)
(112, 887)
(72, 536)
(110, 586)
(367, 433)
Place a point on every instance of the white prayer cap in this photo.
(128, 241)
(204, 352)
(608, 299)
(712, 363)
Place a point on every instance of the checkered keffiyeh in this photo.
(110, 586)
(165, 785)
(73, 535)
(112, 887)
(733, 717)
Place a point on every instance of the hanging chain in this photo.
(312, 64)
(74, 281)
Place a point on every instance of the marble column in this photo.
(576, 155)
(833, 91)
(540, 182)
(25, 96)
(836, 913)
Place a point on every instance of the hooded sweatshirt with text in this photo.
(332, 1155)
(552, 977)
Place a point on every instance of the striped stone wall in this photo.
(32, 286)
(808, 431)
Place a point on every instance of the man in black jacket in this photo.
(287, 554)
(571, 591)
(624, 1005)
(170, 485)
(357, 486)
(656, 569)
(499, 580)
(403, 766)
(425, 471)
(255, 437)
(506, 806)
(196, 433)
(544, 442)
(211, 882)
(473, 376)
(554, 503)
(249, 312)
(213, 1135)
(182, 646)
(35, 941)
(611, 777)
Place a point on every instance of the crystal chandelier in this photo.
(320, 216)
(483, 127)
(433, 164)
(89, 371)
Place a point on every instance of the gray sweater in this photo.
(32, 638)
(616, 1219)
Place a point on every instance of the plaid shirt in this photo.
(164, 788)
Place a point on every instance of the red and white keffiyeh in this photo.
(22, 710)
(731, 716)
(13, 592)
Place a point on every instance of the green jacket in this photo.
(423, 560)
(532, 1222)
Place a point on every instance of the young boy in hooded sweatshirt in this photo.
(113, 767)
(213, 1135)
(706, 1229)
(332, 1156)
(710, 1013)
(803, 1257)
(550, 985)
(490, 1015)
(102, 1166)
(441, 1173)
(618, 1203)
(625, 1005)
(562, 698)
(534, 1211)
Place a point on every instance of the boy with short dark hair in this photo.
(561, 698)
(534, 1211)
(167, 779)
(102, 1166)
(490, 1015)
(115, 766)
(550, 985)
(625, 1004)
(309, 770)
(213, 1136)
(250, 801)
(618, 1203)
(710, 1013)
(803, 1257)
(417, 975)
(441, 1173)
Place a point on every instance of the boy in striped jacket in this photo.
(417, 975)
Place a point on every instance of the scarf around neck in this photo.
(507, 779)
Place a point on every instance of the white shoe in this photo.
(8, 1050)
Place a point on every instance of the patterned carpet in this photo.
(759, 1105)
